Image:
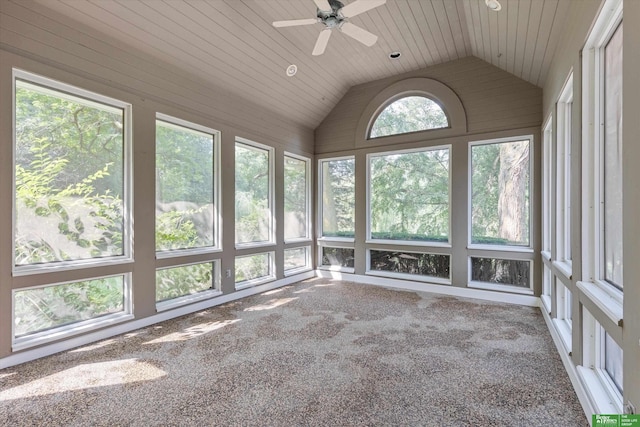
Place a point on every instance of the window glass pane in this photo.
(253, 195)
(568, 302)
(184, 188)
(411, 263)
(185, 280)
(409, 196)
(612, 233)
(51, 306)
(69, 177)
(337, 257)
(500, 193)
(253, 267)
(409, 114)
(295, 198)
(547, 188)
(296, 258)
(567, 182)
(338, 198)
(502, 271)
(613, 361)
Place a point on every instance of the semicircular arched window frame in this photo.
(412, 113)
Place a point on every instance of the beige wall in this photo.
(568, 57)
(133, 77)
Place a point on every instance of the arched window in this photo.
(409, 114)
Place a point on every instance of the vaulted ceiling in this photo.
(232, 44)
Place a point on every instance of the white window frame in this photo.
(370, 239)
(308, 176)
(407, 276)
(66, 91)
(499, 286)
(563, 313)
(301, 269)
(319, 229)
(398, 97)
(338, 245)
(547, 277)
(501, 248)
(272, 222)
(258, 280)
(215, 291)
(563, 175)
(65, 331)
(547, 186)
(592, 166)
(217, 208)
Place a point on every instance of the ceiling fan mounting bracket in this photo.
(332, 18)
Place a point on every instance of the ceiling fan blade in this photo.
(323, 4)
(321, 43)
(360, 6)
(295, 22)
(360, 34)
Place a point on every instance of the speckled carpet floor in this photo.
(319, 352)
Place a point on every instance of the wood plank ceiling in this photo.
(232, 44)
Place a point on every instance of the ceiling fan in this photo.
(334, 14)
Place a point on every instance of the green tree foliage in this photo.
(251, 267)
(409, 196)
(338, 198)
(179, 281)
(253, 215)
(409, 114)
(295, 198)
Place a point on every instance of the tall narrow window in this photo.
(296, 198)
(338, 197)
(612, 235)
(70, 174)
(409, 195)
(547, 185)
(409, 114)
(254, 193)
(186, 210)
(563, 178)
(500, 185)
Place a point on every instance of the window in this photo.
(612, 234)
(410, 263)
(186, 185)
(185, 280)
(563, 181)
(500, 186)
(501, 271)
(297, 259)
(253, 269)
(254, 193)
(296, 197)
(409, 195)
(71, 176)
(337, 201)
(64, 304)
(409, 114)
(613, 359)
(337, 258)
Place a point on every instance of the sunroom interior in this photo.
(152, 166)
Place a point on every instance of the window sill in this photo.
(500, 248)
(563, 268)
(604, 400)
(546, 255)
(337, 268)
(53, 267)
(546, 302)
(301, 240)
(186, 299)
(605, 300)
(243, 246)
(564, 330)
(406, 276)
(295, 271)
(501, 288)
(253, 282)
(326, 241)
(408, 243)
(175, 253)
(67, 331)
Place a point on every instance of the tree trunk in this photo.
(512, 184)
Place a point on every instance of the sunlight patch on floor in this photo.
(193, 331)
(90, 375)
(274, 291)
(270, 304)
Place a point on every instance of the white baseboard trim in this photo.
(67, 344)
(496, 296)
(572, 371)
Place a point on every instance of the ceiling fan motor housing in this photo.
(331, 18)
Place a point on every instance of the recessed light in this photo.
(394, 55)
(493, 5)
(292, 70)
